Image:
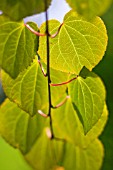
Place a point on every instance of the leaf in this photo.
(29, 89)
(79, 43)
(67, 125)
(90, 158)
(18, 46)
(17, 9)
(90, 8)
(18, 128)
(42, 155)
(52, 154)
(88, 97)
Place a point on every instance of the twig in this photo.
(42, 114)
(44, 34)
(42, 69)
(48, 69)
(57, 32)
(63, 83)
(61, 103)
(33, 31)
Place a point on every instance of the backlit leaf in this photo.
(67, 125)
(18, 46)
(88, 97)
(29, 89)
(79, 43)
(18, 128)
(58, 155)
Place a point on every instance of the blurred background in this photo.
(10, 159)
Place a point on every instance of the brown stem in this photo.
(33, 31)
(57, 32)
(61, 103)
(42, 69)
(40, 34)
(42, 114)
(63, 83)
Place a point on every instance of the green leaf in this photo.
(19, 9)
(67, 125)
(18, 46)
(52, 154)
(42, 155)
(88, 97)
(29, 89)
(18, 128)
(79, 43)
(90, 8)
(79, 159)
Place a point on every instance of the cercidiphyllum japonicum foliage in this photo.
(76, 50)
(90, 8)
(19, 9)
(15, 41)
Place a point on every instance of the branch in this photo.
(48, 69)
(63, 83)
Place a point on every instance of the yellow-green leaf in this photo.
(88, 96)
(56, 154)
(90, 8)
(18, 46)
(18, 128)
(67, 125)
(79, 43)
(29, 89)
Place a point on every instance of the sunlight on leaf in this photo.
(79, 43)
(88, 97)
(48, 154)
(18, 128)
(18, 46)
(29, 89)
(67, 126)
